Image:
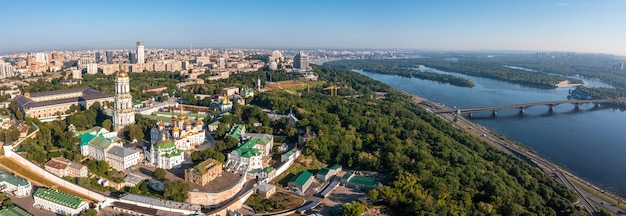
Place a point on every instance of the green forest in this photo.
(433, 168)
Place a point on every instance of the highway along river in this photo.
(590, 143)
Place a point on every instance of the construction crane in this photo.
(332, 89)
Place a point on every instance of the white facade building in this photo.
(92, 68)
(123, 114)
(121, 158)
(164, 154)
(59, 202)
(140, 53)
(180, 131)
(18, 186)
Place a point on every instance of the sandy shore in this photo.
(566, 83)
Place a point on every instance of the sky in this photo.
(596, 26)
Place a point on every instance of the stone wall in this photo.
(209, 198)
(8, 151)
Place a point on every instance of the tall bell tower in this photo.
(123, 114)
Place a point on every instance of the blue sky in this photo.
(581, 26)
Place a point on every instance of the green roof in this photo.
(14, 211)
(11, 179)
(157, 118)
(189, 114)
(58, 197)
(261, 141)
(347, 175)
(164, 144)
(323, 171)
(268, 169)
(91, 130)
(235, 132)
(85, 138)
(101, 142)
(137, 103)
(289, 153)
(248, 150)
(215, 123)
(173, 153)
(334, 167)
(362, 180)
(302, 178)
(202, 167)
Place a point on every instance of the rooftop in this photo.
(248, 150)
(101, 142)
(11, 179)
(159, 202)
(362, 180)
(204, 166)
(56, 164)
(121, 151)
(87, 94)
(302, 178)
(323, 171)
(58, 197)
(14, 211)
(85, 138)
(236, 131)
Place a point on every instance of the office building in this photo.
(98, 57)
(301, 61)
(109, 57)
(132, 57)
(140, 52)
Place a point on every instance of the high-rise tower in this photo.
(123, 114)
(140, 52)
(301, 61)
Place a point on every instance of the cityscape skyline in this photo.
(576, 26)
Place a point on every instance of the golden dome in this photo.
(188, 123)
(175, 129)
(161, 123)
(198, 121)
(122, 73)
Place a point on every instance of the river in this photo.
(590, 143)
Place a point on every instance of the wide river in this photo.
(590, 143)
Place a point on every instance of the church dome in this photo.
(175, 129)
(122, 73)
(164, 144)
(198, 121)
(161, 123)
(188, 123)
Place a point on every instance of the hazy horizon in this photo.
(561, 26)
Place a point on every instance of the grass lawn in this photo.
(278, 202)
(34, 178)
(303, 163)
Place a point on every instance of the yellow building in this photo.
(54, 103)
(204, 172)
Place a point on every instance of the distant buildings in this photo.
(92, 68)
(59, 202)
(109, 57)
(301, 61)
(140, 53)
(43, 105)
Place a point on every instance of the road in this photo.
(587, 200)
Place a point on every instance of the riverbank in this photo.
(566, 83)
(591, 197)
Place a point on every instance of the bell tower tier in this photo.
(123, 114)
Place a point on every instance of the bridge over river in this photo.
(522, 107)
